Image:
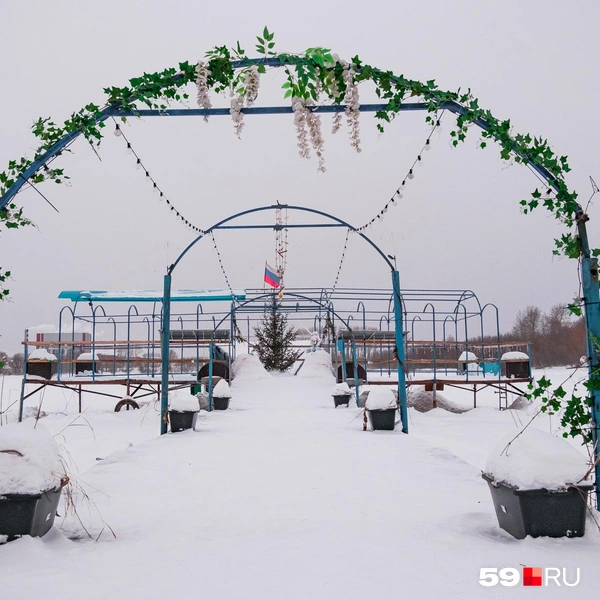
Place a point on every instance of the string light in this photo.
(233, 297)
(337, 275)
(156, 188)
(409, 176)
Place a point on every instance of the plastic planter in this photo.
(340, 399)
(382, 419)
(220, 403)
(539, 512)
(28, 514)
(41, 368)
(181, 420)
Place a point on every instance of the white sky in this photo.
(458, 226)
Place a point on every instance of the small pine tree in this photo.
(274, 339)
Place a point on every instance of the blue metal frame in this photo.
(337, 223)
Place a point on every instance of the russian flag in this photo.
(271, 277)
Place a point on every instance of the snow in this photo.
(278, 497)
(536, 459)
(422, 401)
(41, 354)
(222, 390)
(38, 469)
(514, 356)
(88, 356)
(381, 398)
(182, 401)
(66, 327)
(317, 365)
(467, 357)
(247, 367)
(341, 389)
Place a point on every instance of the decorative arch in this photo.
(334, 222)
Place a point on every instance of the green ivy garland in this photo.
(311, 77)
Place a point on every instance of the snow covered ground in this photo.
(280, 497)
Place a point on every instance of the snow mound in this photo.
(514, 356)
(183, 401)
(222, 390)
(468, 357)
(88, 356)
(341, 389)
(520, 403)
(422, 401)
(248, 366)
(41, 354)
(317, 365)
(29, 460)
(535, 459)
(381, 398)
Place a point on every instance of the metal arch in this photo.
(116, 110)
(221, 223)
(319, 303)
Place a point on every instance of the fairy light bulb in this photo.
(118, 131)
(129, 148)
(419, 160)
(427, 145)
(410, 174)
(138, 164)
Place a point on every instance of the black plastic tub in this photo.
(540, 512)
(28, 514)
(181, 420)
(342, 399)
(382, 419)
(220, 403)
(41, 368)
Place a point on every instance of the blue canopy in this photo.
(150, 295)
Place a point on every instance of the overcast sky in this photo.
(458, 226)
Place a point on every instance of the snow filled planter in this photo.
(381, 406)
(221, 395)
(41, 363)
(534, 480)
(341, 394)
(31, 481)
(183, 411)
(552, 513)
(28, 514)
(182, 420)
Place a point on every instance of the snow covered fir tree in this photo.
(274, 339)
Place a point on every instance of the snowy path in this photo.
(285, 497)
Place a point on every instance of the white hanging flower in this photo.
(314, 129)
(237, 115)
(300, 121)
(352, 108)
(202, 73)
(251, 83)
(337, 122)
